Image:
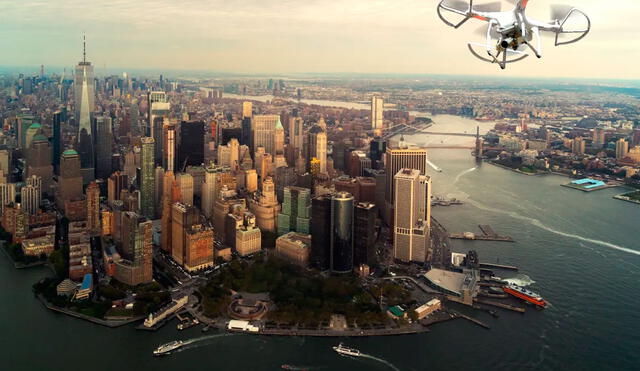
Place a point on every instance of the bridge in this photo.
(398, 129)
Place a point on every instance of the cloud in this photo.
(403, 36)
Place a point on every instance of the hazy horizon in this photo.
(402, 37)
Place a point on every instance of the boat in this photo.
(168, 347)
(341, 349)
(524, 294)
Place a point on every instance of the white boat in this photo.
(168, 347)
(347, 351)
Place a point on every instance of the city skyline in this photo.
(291, 37)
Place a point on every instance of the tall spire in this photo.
(84, 48)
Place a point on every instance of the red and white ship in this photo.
(524, 294)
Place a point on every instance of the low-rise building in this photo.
(38, 246)
(294, 248)
(428, 308)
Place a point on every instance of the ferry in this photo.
(341, 349)
(524, 294)
(167, 348)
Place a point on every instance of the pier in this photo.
(499, 305)
(498, 266)
(488, 234)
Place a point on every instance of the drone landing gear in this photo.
(501, 58)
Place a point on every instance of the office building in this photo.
(266, 207)
(39, 162)
(84, 96)
(341, 237)
(182, 218)
(185, 184)
(401, 157)
(377, 149)
(7, 195)
(412, 216)
(294, 248)
(70, 179)
(364, 251)
(247, 110)
(93, 209)
(148, 178)
(57, 140)
(264, 132)
(320, 232)
(248, 239)
(115, 184)
(296, 139)
(191, 149)
(170, 195)
(159, 109)
(295, 214)
(136, 267)
(198, 248)
(377, 112)
(169, 147)
(104, 146)
(317, 148)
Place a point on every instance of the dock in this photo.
(470, 319)
(488, 234)
(498, 266)
(499, 305)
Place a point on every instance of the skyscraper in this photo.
(84, 96)
(30, 196)
(39, 162)
(247, 110)
(342, 236)
(169, 147)
(148, 179)
(412, 216)
(377, 112)
(182, 218)
(93, 208)
(317, 148)
(159, 109)
(137, 250)
(264, 132)
(169, 197)
(104, 143)
(115, 184)
(57, 141)
(185, 184)
(365, 231)
(400, 157)
(191, 144)
(70, 179)
(296, 211)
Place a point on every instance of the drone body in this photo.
(510, 33)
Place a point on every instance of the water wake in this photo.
(383, 361)
(463, 174)
(520, 280)
(540, 225)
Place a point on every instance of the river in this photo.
(579, 250)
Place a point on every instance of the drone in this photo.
(510, 33)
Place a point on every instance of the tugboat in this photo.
(168, 347)
(341, 349)
(524, 294)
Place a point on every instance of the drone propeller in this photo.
(488, 7)
(457, 5)
(559, 11)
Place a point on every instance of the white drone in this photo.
(509, 33)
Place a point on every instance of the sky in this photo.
(299, 36)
